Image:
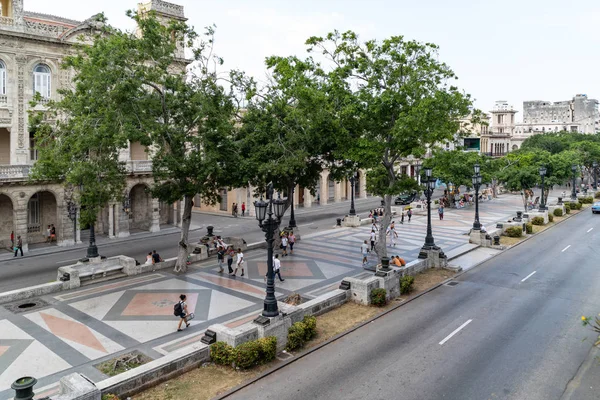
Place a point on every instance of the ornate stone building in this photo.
(32, 46)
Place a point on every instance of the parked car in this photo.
(596, 207)
(405, 198)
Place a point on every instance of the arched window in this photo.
(2, 78)
(42, 80)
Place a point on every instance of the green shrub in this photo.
(558, 212)
(597, 195)
(567, 208)
(514, 231)
(578, 205)
(406, 283)
(529, 228)
(378, 297)
(221, 353)
(296, 335)
(537, 221)
(247, 355)
(267, 349)
(310, 327)
(587, 200)
(550, 218)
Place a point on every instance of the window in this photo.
(34, 211)
(42, 81)
(2, 78)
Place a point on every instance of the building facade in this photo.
(32, 47)
(497, 139)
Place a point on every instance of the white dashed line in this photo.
(589, 230)
(565, 249)
(455, 332)
(528, 276)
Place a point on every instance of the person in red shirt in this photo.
(243, 209)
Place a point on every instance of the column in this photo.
(175, 211)
(324, 194)
(122, 223)
(338, 192)
(78, 227)
(65, 230)
(111, 221)
(362, 182)
(20, 218)
(155, 227)
(296, 198)
(307, 198)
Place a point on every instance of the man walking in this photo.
(276, 268)
(409, 214)
(240, 262)
(19, 246)
(364, 249)
(220, 258)
(373, 239)
(441, 212)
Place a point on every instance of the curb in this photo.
(343, 334)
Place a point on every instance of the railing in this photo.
(14, 172)
(7, 21)
(3, 100)
(138, 166)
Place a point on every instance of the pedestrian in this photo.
(409, 214)
(149, 259)
(180, 310)
(234, 210)
(373, 239)
(243, 209)
(52, 233)
(364, 249)
(12, 239)
(284, 243)
(276, 268)
(220, 258)
(402, 217)
(291, 241)
(441, 212)
(48, 234)
(19, 246)
(156, 258)
(392, 232)
(230, 254)
(240, 262)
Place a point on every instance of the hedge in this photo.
(246, 355)
(301, 332)
(537, 221)
(558, 212)
(378, 297)
(406, 283)
(514, 231)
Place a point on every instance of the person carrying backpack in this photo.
(409, 214)
(180, 310)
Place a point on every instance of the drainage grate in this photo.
(453, 283)
(28, 305)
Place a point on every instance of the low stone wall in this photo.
(325, 302)
(32, 291)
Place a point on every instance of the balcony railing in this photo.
(3, 100)
(14, 172)
(7, 21)
(139, 166)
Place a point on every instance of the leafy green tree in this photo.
(456, 166)
(132, 87)
(401, 100)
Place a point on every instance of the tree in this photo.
(456, 166)
(132, 87)
(401, 103)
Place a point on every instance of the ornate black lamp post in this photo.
(476, 184)
(352, 182)
(269, 225)
(429, 242)
(292, 216)
(92, 250)
(543, 200)
(595, 165)
(72, 210)
(573, 192)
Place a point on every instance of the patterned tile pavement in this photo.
(82, 328)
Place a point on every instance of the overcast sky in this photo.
(512, 50)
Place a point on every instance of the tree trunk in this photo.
(381, 246)
(181, 264)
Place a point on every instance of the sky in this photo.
(513, 50)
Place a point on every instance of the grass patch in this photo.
(511, 241)
(126, 362)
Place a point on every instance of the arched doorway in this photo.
(166, 213)
(42, 211)
(140, 216)
(6, 220)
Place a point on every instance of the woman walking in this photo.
(291, 241)
(284, 243)
(230, 254)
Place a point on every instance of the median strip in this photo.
(455, 332)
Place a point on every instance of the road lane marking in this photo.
(528, 276)
(589, 230)
(455, 332)
(565, 249)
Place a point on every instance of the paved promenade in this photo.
(76, 330)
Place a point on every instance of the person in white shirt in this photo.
(284, 243)
(373, 238)
(240, 262)
(364, 249)
(277, 267)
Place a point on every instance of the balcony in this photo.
(14, 173)
(7, 21)
(139, 167)
(3, 100)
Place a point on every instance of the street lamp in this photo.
(542, 201)
(573, 192)
(92, 250)
(269, 225)
(126, 204)
(476, 184)
(595, 165)
(352, 182)
(429, 242)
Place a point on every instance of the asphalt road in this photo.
(16, 273)
(510, 329)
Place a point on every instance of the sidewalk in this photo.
(78, 329)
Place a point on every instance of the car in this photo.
(596, 207)
(405, 198)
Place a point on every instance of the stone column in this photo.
(307, 198)
(78, 227)
(324, 194)
(22, 146)
(338, 192)
(362, 182)
(155, 227)
(111, 222)
(20, 218)
(180, 209)
(65, 230)
(122, 223)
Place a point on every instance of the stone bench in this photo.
(82, 273)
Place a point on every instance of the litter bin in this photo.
(496, 240)
(339, 222)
